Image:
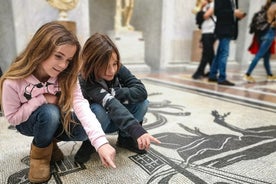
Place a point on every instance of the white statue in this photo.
(63, 6)
(124, 11)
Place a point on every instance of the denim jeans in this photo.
(45, 124)
(263, 52)
(138, 110)
(220, 60)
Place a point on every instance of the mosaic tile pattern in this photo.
(206, 138)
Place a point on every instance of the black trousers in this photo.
(208, 53)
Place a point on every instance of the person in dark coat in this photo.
(226, 29)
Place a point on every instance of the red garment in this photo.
(254, 46)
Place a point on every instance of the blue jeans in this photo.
(138, 110)
(263, 52)
(220, 60)
(45, 124)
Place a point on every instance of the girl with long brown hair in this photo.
(40, 95)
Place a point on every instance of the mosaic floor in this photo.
(210, 134)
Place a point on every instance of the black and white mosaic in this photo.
(206, 138)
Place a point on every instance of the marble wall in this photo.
(167, 27)
(29, 15)
(20, 20)
(7, 40)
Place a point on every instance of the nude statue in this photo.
(124, 11)
(127, 12)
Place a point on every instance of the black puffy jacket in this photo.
(125, 88)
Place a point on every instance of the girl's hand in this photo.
(52, 99)
(145, 140)
(107, 154)
(239, 14)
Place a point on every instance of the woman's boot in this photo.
(57, 154)
(40, 164)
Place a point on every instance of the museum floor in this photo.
(209, 133)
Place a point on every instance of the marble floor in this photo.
(209, 134)
(262, 90)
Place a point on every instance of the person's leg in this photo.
(224, 52)
(270, 76)
(211, 51)
(86, 149)
(265, 44)
(200, 69)
(138, 110)
(215, 64)
(57, 154)
(77, 133)
(42, 124)
(208, 52)
(102, 115)
(267, 63)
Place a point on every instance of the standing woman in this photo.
(207, 39)
(265, 42)
(38, 93)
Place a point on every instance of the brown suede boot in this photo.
(40, 164)
(57, 154)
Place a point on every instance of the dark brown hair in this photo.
(268, 3)
(96, 54)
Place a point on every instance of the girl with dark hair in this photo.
(116, 96)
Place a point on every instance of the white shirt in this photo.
(208, 26)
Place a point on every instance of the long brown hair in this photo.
(40, 48)
(95, 55)
(267, 4)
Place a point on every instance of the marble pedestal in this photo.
(131, 46)
(70, 25)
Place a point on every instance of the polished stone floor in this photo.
(209, 134)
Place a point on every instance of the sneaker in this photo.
(130, 144)
(212, 79)
(271, 78)
(226, 83)
(248, 78)
(85, 152)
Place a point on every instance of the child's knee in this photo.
(51, 112)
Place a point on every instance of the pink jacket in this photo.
(21, 97)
